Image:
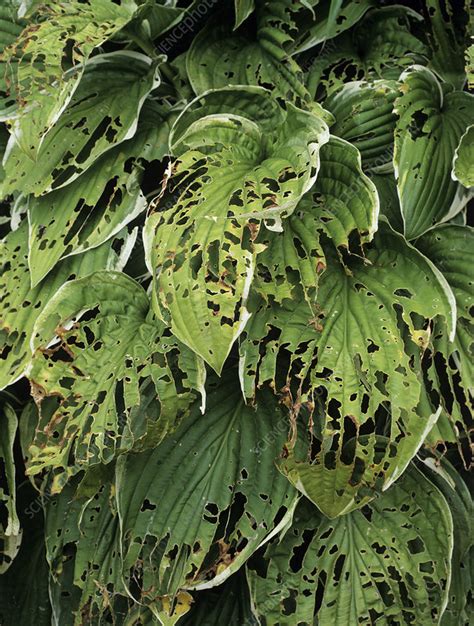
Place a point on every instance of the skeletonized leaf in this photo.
(388, 563)
(432, 120)
(448, 32)
(450, 248)
(380, 46)
(94, 371)
(232, 174)
(196, 507)
(102, 113)
(84, 533)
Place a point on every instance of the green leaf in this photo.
(232, 173)
(10, 28)
(52, 55)
(102, 113)
(459, 499)
(447, 28)
(388, 563)
(343, 198)
(450, 248)
(347, 356)
(380, 46)
(97, 205)
(331, 19)
(86, 532)
(432, 120)
(8, 428)
(219, 56)
(463, 165)
(191, 514)
(389, 201)
(94, 371)
(243, 8)
(21, 304)
(364, 117)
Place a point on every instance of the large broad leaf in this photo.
(450, 248)
(342, 203)
(99, 203)
(343, 199)
(21, 304)
(233, 171)
(83, 551)
(450, 483)
(9, 522)
(94, 372)
(447, 28)
(102, 113)
(432, 119)
(219, 57)
(389, 563)
(349, 357)
(380, 46)
(196, 507)
(364, 117)
(463, 165)
(52, 54)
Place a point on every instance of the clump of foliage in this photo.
(236, 312)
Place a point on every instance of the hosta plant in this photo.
(236, 298)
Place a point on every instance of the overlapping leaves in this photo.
(236, 171)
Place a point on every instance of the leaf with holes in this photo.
(389, 562)
(450, 248)
(354, 371)
(220, 56)
(46, 61)
(21, 303)
(98, 204)
(9, 522)
(102, 113)
(232, 175)
(95, 369)
(190, 515)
